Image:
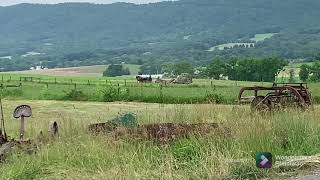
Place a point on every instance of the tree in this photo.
(216, 68)
(291, 76)
(315, 70)
(247, 69)
(167, 67)
(150, 68)
(304, 72)
(116, 70)
(183, 67)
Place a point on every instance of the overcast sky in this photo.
(12, 2)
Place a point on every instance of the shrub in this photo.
(75, 95)
(214, 97)
(116, 70)
(12, 92)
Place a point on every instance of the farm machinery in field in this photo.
(184, 78)
(278, 96)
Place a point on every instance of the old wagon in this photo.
(279, 95)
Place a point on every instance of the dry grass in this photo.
(79, 155)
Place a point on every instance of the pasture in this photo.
(126, 89)
(262, 37)
(77, 154)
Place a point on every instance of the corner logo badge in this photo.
(264, 160)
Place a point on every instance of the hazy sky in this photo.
(11, 2)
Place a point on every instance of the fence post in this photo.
(140, 89)
(118, 89)
(75, 86)
(161, 94)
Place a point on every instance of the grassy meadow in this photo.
(126, 89)
(76, 102)
(79, 155)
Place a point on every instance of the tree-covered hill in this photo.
(73, 34)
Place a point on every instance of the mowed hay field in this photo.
(77, 154)
(82, 71)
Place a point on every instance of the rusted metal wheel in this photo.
(256, 101)
(263, 108)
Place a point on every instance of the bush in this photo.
(11, 92)
(213, 97)
(116, 70)
(111, 93)
(75, 95)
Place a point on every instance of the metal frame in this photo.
(278, 92)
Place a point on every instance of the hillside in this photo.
(74, 34)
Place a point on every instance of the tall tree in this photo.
(116, 70)
(292, 76)
(216, 68)
(304, 72)
(315, 70)
(183, 67)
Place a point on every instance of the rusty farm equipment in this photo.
(278, 96)
(184, 78)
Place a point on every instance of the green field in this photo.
(262, 37)
(127, 89)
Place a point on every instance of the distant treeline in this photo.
(264, 70)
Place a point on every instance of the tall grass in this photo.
(79, 155)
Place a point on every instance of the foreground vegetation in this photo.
(79, 155)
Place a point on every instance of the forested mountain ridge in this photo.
(73, 34)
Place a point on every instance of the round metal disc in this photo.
(23, 110)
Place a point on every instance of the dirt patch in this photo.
(163, 133)
(82, 71)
